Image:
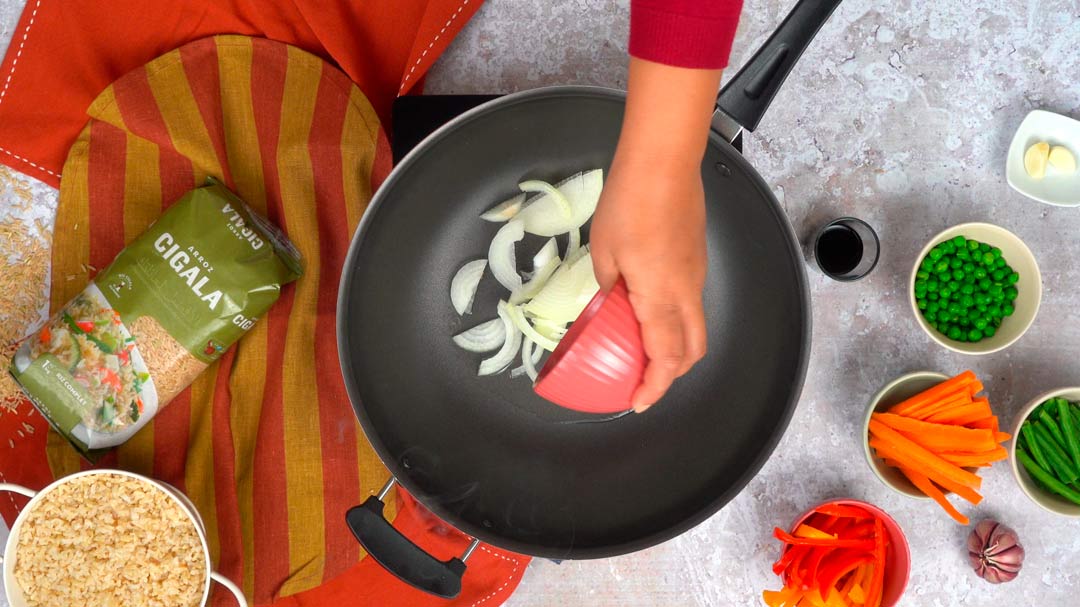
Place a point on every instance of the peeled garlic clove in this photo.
(1062, 159)
(1035, 159)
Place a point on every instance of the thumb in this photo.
(604, 267)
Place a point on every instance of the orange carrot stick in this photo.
(889, 453)
(960, 415)
(976, 458)
(986, 423)
(939, 437)
(932, 491)
(932, 406)
(937, 393)
(926, 460)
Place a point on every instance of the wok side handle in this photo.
(745, 97)
(398, 555)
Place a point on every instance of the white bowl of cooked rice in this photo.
(108, 537)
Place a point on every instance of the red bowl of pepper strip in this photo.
(843, 553)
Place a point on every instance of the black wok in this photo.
(486, 454)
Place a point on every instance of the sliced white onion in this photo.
(566, 293)
(501, 255)
(509, 349)
(548, 253)
(463, 286)
(543, 215)
(537, 354)
(575, 243)
(522, 324)
(527, 358)
(543, 187)
(530, 288)
(549, 328)
(505, 210)
(517, 371)
(484, 337)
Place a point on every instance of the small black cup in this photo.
(846, 249)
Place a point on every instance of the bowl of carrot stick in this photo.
(1045, 452)
(927, 435)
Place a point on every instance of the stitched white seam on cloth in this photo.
(29, 162)
(509, 578)
(18, 54)
(430, 45)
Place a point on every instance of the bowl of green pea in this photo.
(975, 288)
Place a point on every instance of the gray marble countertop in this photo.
(899, 113)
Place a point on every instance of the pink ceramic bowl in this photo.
(600, 361)
(898, 559)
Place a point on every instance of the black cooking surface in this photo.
(416, 116)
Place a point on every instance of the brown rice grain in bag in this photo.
(171, 302)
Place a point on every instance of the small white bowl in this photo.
(1026, 305)
(1048, 501)
(1056, 188)
(895, 392)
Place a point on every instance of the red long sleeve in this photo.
(684, 33)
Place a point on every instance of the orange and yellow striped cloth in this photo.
(265, 442)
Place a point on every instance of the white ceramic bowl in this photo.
(1055, 188)
(895, 392)
(1048, 501)
(1026, 305)
(14, 593)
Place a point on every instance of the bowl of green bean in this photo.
(1045, 451)
(975, 288)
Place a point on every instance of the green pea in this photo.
(1008, 269)
(958, 274)
(981, 299)
(927, 263)
(954, 286)
(973, 245)
(988, 259)
(956, 263)
(921, 275)
(945, 276)
(980, 273)
(995, 310)
(954, 308)
(1008, 310)
(967, 301)
(935, 253)
(959, 241)
(963, 254)
(921, 304)
(998, 275)
(984, 283)
(1011, 293)
(968, 267)
(985, 248)
(933, 324)
(931, 285)
(943, 315)
(996, 252)
(941, 266)
(989, 331)
(954, 333)
(945, 293)
(948, 247)
(931, 306)
(920, 283)
(980, 323)
(931, 316)
(1000, 262)
(995, 289)
(967, 288)
(981, 308)
(1012, 278)
(975, 335)
(932, 296)
(969, 278)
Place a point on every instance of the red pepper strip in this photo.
(792, 576)
(85, 326)
(863, 530)
(873, 595)
(839, 563)
(844, 510)
(787, 557)
(813, 563)
(786, 537)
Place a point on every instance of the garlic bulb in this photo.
(995, 552)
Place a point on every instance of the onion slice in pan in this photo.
(505, 210)
(527, 361)
(543, 216)
(463, 286)
(522, 324)
(509, 349)
(544, 265)
(545, 188)
(484, 337)
(501, 255)
(567, 292)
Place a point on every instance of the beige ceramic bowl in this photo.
(1026, 305)
(1048, 501)
(895, 392)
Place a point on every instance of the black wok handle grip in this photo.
(398, 555)
(746, 97)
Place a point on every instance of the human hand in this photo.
(649, 228)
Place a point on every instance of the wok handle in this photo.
(398, 555)
(746, 97)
